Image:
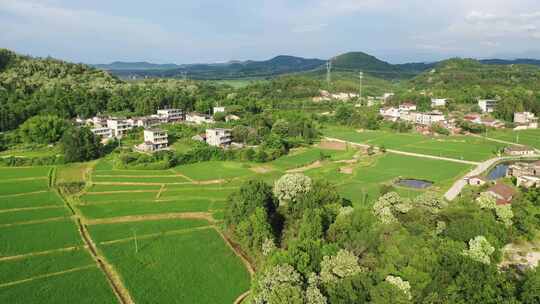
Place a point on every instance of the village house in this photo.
(523, 169)
(198, 118)
(218, 137)
(519, 150)
(119, 127)
(525, 120)
(407, 107)
(144, 122)
(491, 122)
(477, 180)
(438, 102)
(502, 193)
(154, 140)
(390, 113)
(487, 105)
(102, 132)
(528, 181)
(170, 115)
(430, 118)
(473, 118)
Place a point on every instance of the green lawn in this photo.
(86, 286)
(109, 232)
(196, 267)
(49, 198)
(458, 147)
(215, 170)
(21, 239)
(134, 173)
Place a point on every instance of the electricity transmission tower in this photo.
(361, 76)
(329, 71)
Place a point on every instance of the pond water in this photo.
(414, 183)
(499, 171)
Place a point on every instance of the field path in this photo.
(119, 290)
(43, 276)
(152, 217)
(38, 253)
(410, 153)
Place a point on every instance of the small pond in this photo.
(499, 171)
(414, 183)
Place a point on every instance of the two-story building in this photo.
(219, 137)
(170, 115)
(119, 127)
(198, 118)
(487, 105)
(525, 120)
(519, 150)
(154, 140)
(438, 102)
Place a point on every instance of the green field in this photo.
(85, 286)
(109, 232)
(32, 200)
(24, 172)
(117, 209)
(458, 147)
(368, 176)
(137, 179)
(525, 137)
(20, 187)
(32, 215)
(215, 170)
(195, 267)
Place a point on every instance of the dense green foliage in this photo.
(80, 144)
(401, 250)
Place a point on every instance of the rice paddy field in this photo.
(42, 255)
(458, 147)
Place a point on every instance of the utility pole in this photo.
(361, 76)
(135, 237)
(329, 71)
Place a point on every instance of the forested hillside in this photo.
(31, 86)
(467, 80)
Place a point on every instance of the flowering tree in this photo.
(389, 204)
(486, 201)
(313, 293)
(279, 285)
(479, 249)
(290, 186)
(402, 285)
(505, 214)
(431, 201)
(342, 265)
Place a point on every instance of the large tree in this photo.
(43, 129)
(80, 144)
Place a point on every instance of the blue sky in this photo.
(186, 31)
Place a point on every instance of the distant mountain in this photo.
(120, 65)
(348, 62)
(234, 69)
(508, 62)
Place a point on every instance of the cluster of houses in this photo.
(527, 175)
(407, 112)
(342, 96)
(525, 120)
(155, 139)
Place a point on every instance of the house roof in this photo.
(504, 191)
(483, 178)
